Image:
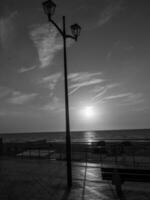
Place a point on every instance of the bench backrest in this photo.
(126, 170)
(140, 175)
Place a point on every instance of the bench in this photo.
(119, 175)
(127, 174)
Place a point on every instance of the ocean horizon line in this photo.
(77, 131)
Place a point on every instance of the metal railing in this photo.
(135, 153)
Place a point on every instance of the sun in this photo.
(88, 112)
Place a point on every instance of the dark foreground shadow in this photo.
(84, 183)
(66, 194)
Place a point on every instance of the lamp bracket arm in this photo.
(72, 37)
(58, 28)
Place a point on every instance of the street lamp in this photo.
(75, 29)
(49, 9)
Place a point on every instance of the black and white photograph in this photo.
(74, 100)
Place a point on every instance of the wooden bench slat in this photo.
(136, 175)
(126, 170)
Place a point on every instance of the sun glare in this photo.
(88, 112)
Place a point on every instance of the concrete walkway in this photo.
(24, 179)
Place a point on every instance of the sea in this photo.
(80, 136)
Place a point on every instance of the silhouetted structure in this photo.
(119, 175)
(1, 146)
(49, 9)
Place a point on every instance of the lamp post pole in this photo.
(68, 141)
(49, 9)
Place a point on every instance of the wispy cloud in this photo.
(113, 7)
(7, 28)
(111, 93)
(82, 76)
(100, 91)
(26, 69)
(47, 42)
(118, 96)
(133, 99)
(21, 98)
(51, 80)
(53, 105)
(129, 98)
(82, 79)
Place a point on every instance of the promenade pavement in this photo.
(28, 179)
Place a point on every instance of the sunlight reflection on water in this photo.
(89, 137)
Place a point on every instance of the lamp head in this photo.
(75, 29)
(49, 8)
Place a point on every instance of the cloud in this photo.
(129, 98)
(47, 43)
(100, 91)
(53, 105)
(82, 79)
(21, 98)
(7, 29)
(26, 69)
(113, 7)
(86, 83)
(109, 94)
(82, 76)
(133, 99)
(51, 80)
(122, 95)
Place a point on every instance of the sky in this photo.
(108, 67)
